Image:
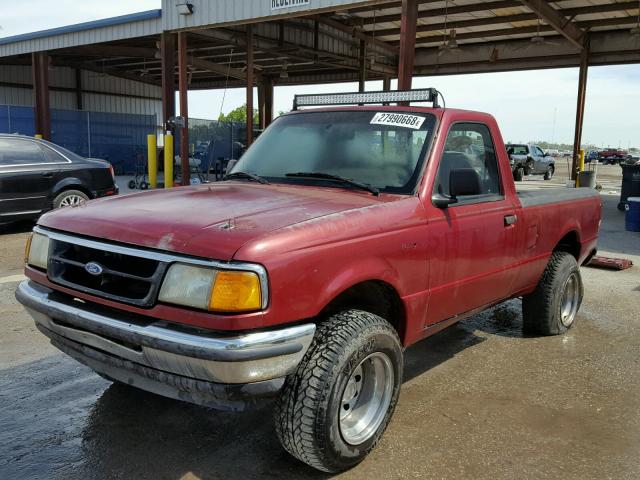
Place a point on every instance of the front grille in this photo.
(123, 278)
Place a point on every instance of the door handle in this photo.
(47, 174)
(510, 220)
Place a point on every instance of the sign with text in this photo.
(278, 4)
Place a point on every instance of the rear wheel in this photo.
(528, 168)
(69, 198)
(552, 307)
(333, 410)
(518, 174)
(548, 175)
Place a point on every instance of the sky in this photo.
(529, 105)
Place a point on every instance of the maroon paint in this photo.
(317, 242)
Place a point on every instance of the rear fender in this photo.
(68, 183)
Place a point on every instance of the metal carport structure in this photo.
(200, 44)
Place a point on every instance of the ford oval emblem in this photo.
(93, 268)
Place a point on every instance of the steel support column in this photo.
(261, 107)
(582, 93)
(386, 84)
(40, 70)
(168, 67)
(184, 112)
(362, 70)
(406, 57)
(249, 84)
(268, 100)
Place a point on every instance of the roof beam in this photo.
(298, 52)
(505, 32)
(559, 22)
(358, 33)
(217, 68)
(221, 35)
(518, 17)
(437, 12)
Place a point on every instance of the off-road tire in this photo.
(518, 174)
(548, 175)
(541, 310)
(308, 408)
(59, 199)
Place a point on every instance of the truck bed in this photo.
(532, 198)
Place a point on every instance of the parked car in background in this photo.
(342, 236)
(529, 159)
(591, 156)
(37, 176)
(611, 156)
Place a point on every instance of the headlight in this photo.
(210, 289)
(37, 251)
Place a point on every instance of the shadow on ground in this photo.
(62, 420)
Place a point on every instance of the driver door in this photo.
(472, 243)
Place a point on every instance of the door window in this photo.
(469, 146)
(16, 152)
(52, 156)
(538, 152)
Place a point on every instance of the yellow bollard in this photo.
(38, 135)
(580, 167)
(152, 159)
(168, 160)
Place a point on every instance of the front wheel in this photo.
(333, 410)
(548, 175)
(552, 307)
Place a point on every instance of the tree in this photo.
(238, 115)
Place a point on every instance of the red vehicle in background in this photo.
(342, 236)
(611, 156)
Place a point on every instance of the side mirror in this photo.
(462, 181)
(442, 201)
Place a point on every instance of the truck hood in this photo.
(212, 220)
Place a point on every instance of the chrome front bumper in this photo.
(99, 337)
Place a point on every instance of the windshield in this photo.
(383, 149)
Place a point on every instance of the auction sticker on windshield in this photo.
(397, 120)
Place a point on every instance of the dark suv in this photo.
(37, 176)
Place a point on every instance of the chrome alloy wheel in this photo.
(70, 200)
(366, 398)
(570, 300)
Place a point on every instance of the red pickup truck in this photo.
(342, 236)
(612, 155)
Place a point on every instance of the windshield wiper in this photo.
(336, 178)
(248, 176)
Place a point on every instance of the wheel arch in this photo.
(570, 243)
(70, 183)
(375, 296)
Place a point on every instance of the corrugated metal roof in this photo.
(104, 30)
(288, 51)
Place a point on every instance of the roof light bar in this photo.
(396, 96)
